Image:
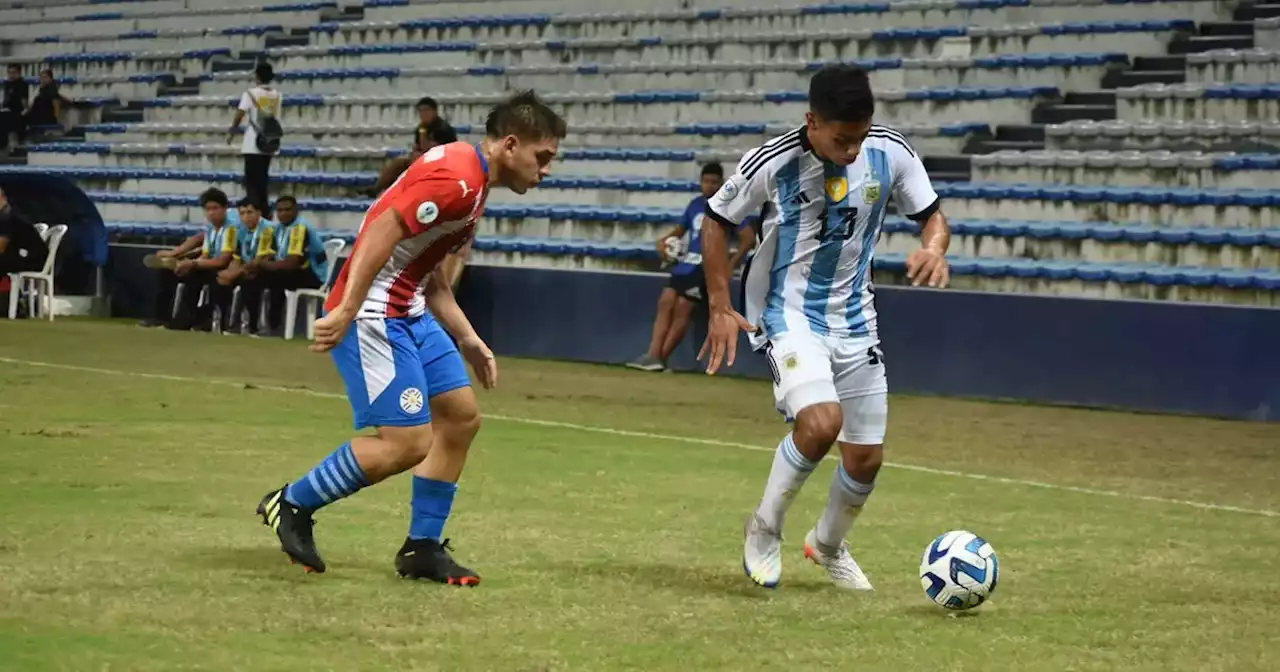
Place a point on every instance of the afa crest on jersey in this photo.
(837, 188)
(871, 192)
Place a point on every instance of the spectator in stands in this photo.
(13, 108)
(432, 130)
(22, 248)
(260, 105)
(687, 287)
(217, 245)
(46, 108)
(253, 245)
(298, 261)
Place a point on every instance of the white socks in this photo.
(790, 470)
(844, 503)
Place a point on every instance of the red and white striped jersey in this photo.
(439, 198)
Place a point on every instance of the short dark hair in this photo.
(427, 101)
(712, 168)
(246, 201)
(264, 73)
(526, 117)
(286, 198)
(47, 71)
(842, 92)
(214, 195)
(15, 66)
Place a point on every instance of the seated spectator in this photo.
(298, 261)
(22, 248)
(432, 130)
(687, 287)
(253, 244)
(46, 108)
(217, 246)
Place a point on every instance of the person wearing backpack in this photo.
(261, 106)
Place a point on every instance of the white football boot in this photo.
(840, 565)
(762, 553)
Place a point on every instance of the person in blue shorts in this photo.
(687, 287)
(385, 324)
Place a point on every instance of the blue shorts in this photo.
(393, 368)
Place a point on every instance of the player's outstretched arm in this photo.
(724, 322)
(377, 241)
(445, 308)
(928, 265)
(739, 197)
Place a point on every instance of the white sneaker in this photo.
(841, 567)
(762, 553)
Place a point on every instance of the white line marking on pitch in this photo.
(667, 437)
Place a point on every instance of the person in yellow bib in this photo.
(255, 243)
(217, 249)
(298, 260)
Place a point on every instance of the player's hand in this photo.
(722, 338)
(481, 359)
(330, 329)
(184, 268)
(227, 275)
(929, 267)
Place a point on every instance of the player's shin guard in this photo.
(430, 507)
(790, 470)
(844, 504)
(338, 476)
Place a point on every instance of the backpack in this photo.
(267, 128)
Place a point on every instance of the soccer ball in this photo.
(959, 570)
(674, 249)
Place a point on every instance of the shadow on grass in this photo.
(727, 580)
(267, 561)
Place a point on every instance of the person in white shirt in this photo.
(810, 303)
(261, 105)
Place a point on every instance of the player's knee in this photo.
(862, 462)
(667, 299)
(819, 425)
(411, 443)
(464, 423)
(457, 414)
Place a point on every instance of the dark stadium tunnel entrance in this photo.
(56, 200)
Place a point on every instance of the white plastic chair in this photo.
(332, 248)
(37, 284)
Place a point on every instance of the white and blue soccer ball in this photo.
(674, 248)
(959, 570)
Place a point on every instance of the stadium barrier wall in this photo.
(1132, 355)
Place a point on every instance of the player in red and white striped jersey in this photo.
(386, 321)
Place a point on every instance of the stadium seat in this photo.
(38, 285)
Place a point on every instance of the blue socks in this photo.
(337, 477)
(432, 501)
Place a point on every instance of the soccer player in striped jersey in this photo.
(399, 366)
(809, 303)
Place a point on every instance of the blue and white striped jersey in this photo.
(812, 270)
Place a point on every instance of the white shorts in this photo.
(809, 369)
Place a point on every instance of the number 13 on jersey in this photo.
(845, 225)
